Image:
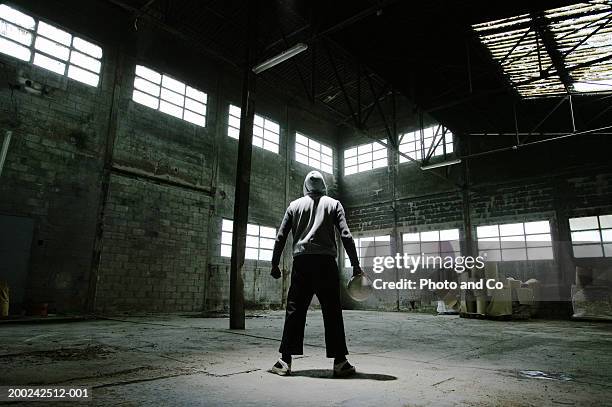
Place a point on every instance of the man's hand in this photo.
(357, 271)
(276, 273)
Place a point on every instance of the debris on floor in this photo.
(536, 374)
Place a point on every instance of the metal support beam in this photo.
(469, 66)
(516, 44)
(333, 89)
(384, 92)
(563, 249)
(342, 87)
(336, 27)
(550, 44)
(313, 72)
(469, 249)
(540, 134)
(435, 142)
(422, 134)
(394, 119)
(243, 176)
(516, 130)
(597, 131)
(537, 126)
(177, 33)
(109, 151)
(368, 109)
(571, 105)
(467, 221)
(390, 135)
(491, 92)
(359, 94)
(600, 114)
(601, 21)
(585, 38)
(561, 38)
(406, 156)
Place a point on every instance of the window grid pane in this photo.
(365, 157)
(434, 242)
(259, 241)
(171, 96)
(313, 153)
(591, 236)
(266, 133)
(515, 241)
(56, 50)
(368, 248)
(415, 148)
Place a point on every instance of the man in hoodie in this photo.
(312, 220)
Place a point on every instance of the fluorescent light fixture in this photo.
(283, 56)
(441, 164)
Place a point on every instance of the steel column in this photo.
(243, 176)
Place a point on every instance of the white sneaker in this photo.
(344, 369)
(281, 368)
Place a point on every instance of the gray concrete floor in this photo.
(403, 360)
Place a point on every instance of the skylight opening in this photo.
(582, 35)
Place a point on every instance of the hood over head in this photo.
(314, 184)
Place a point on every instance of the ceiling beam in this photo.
(552, 48)
(336, 27)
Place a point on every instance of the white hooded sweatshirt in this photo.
(313, 219)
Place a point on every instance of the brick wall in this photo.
(154, 250)
(52, 175)
(150, 219)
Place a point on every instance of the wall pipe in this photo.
(5, 145)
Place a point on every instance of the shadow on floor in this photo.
(328, 374)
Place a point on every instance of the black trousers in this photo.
(318, 275)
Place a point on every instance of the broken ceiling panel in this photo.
(581, 43)
(583, 33)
